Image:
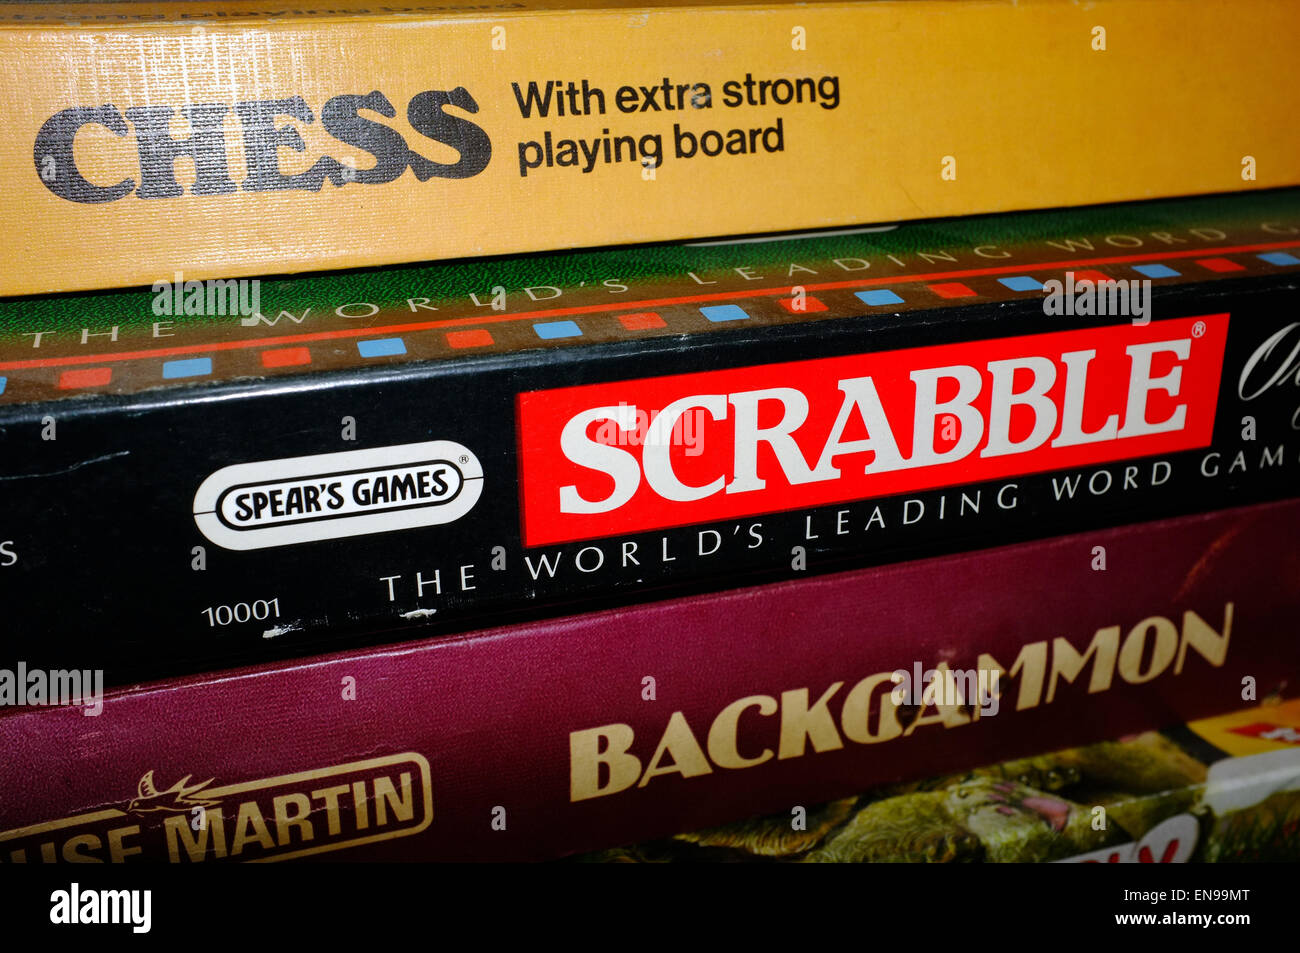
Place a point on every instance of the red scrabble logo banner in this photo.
(639, 455)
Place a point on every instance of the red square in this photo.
(286, 357)
(641, 321)
(1220, 264)
(475, 338)
(810, 304)
(951, 289)
(1089, 275)
(86, 377)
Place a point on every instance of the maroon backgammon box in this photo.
(596, 730)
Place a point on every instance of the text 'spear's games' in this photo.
(207, 471)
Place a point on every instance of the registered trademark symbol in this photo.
(465, 459)
(1198, 329)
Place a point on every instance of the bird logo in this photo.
(177, 799)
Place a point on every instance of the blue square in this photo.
(3, 381)
(1021, 283)
(549, 330)
(381, 347)
(1156, 271)
(194, 367)
(725, 312)
(879, 297)
(1279, 258)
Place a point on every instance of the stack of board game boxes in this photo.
(398, 460)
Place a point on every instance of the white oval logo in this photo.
(332, 495)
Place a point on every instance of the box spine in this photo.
(245, 148)
(251, 521)
(609, 728)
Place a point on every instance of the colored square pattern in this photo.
(286, 357)
(550, 330)
(951, 289)
(381, 347)
(85, 377)
(1156, 271)
(807, 305)
(1021, 283)
(1219, 264)
(641, 321)
(1279, 258)
(878, 297)
(475, 338)
(725, 312)
(193, 367)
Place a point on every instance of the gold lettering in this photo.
(940, 695)
(800, 723)
(331, 798)
(359, 804)
(1067, 663)
(1032, 662)
(180, 833)
(250, 825)
(73, 856)
(722, 740)
(678, 741)
(1210, 645)
(117, 849)
(386, 797)
(855, 719)
(286, 822)
(1130, 656)
(585, 759)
